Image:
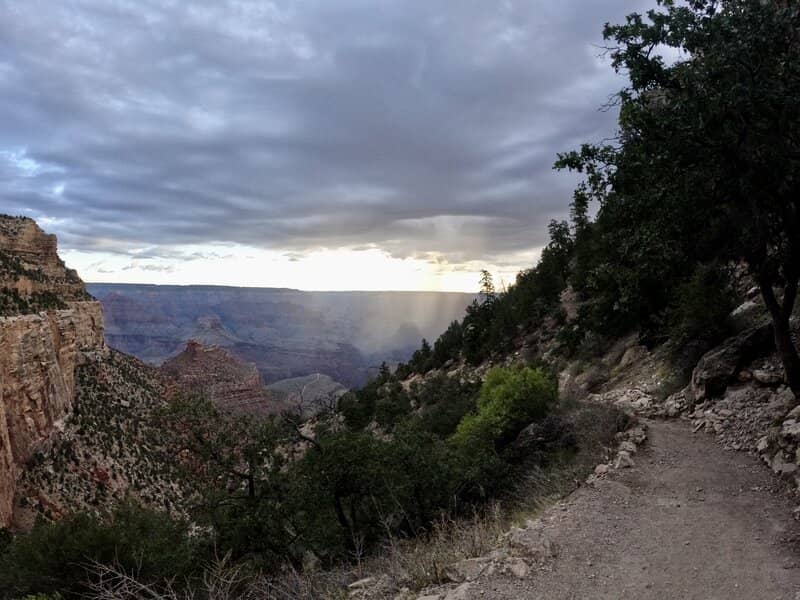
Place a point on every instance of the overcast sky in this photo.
(320, 144)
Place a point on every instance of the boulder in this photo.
(791, 429)
(532, 543)
(468, 569)
(767, 377)
(719, 366)
(781, 466)
(592, 379)
(550, 434)
(517, 567)
(460, 593)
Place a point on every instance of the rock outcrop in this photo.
(41, 349)
(32, 276)
(232, 385)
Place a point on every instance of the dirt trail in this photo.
(689, 521)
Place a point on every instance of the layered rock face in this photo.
(32, 276)
(39, 351)
(232, 385)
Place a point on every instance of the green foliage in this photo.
(705, 165)
(448, 345)
(239, 464)
(702, 307)
(57, 557)
(392, 405)
(421, 360)
(510, 399)
(353, 487)
(443, 401)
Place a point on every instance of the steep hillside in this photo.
(229, 383)
(286, 333)
(112, 446)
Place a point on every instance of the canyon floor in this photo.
(690, 520)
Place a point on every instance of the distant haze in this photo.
(287, 333)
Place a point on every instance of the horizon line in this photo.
(280, 288)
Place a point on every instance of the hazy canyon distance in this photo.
(286, 333)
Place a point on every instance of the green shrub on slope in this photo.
(510, 399)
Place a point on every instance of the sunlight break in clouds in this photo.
(321, 270)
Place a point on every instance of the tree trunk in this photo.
(780, 313)
(340, 516)
(787, 353)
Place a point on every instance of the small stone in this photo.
(518, 567)
(460, 593)
(361, 583)
(601, 469)
(624, 460)
(791, 429)
(628, 447)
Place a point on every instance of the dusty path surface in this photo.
(689, 521)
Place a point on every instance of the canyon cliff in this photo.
(232, 385)
(48, 327)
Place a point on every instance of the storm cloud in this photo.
(422, 128)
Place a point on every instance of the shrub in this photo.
(510, 399)
(443, 402)
(54, 557)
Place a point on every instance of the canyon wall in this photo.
(39, 351)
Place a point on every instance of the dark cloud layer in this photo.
(417, 126)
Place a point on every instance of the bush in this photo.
(55, 557)
(443, 401)
(510, 399)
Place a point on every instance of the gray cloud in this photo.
(422, 128)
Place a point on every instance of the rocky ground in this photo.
(686, 519)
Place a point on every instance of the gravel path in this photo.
(689, 521)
